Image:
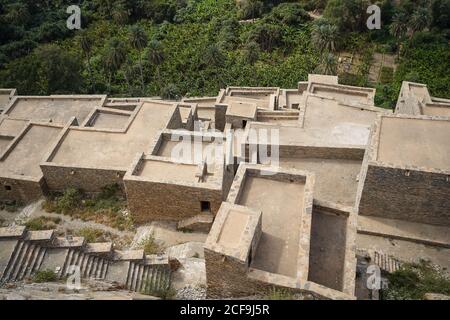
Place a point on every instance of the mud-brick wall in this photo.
(149, 201)
(21, 191)
(418, 196)
(88, 180)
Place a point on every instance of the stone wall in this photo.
(59, 178)
(163, 201)
(21, 191)
(416, 196)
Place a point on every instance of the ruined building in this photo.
(292, 225)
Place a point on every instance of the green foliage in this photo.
(91, 235)
(195, 47)
(42, 223)
(279, 294)
(45, 276)
(347, 15)
(289, 14)
(150, 245)
(106, 207)
(412, 281)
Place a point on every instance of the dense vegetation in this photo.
(414, 280)
(195, 47)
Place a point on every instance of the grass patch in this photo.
(42, 223)
(279, 294)
(106, 208)
(44, 276)
(412, 281)
(150, 245)
(91, 235)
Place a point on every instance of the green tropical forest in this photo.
(175, 48)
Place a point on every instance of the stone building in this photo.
(279, 178)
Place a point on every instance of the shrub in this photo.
(44, 276)
(412, 281)
(150, 245)
(42, 223)
(91, 234)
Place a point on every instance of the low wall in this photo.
(21, 191)
(162, 201)
(89, 180)
(410, 195)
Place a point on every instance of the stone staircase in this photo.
(386, 262)
(23, 253)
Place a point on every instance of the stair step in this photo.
(26, 262)
(12, 261)
(98, 272)
(137, 280)
(31, 263)
(38, 262)
(129, 275)
(104, 269)
(17, 263)
(66, 266)
(144, 279)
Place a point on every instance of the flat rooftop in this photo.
(109, 120)
(56, 109)
(281, 204)
(25, 157)
(344, 94)
(336, 179)
(87, 148)
(325, 113)
(344, 134)
(436, 110)
(11, 127)
(242, 110)
(415, 142)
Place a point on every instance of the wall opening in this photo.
(8, 188)
(205, 206)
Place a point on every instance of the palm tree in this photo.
(398, 28)
(324, 36)
(86, 47)
(155, 54)
(115, 57)
(213, 56)
(138, 39)
(420, 19)
(329, 64)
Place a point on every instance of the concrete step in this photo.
(26, 262)
(20, 261)
(38, 261)
(16, 232)
(139, 277)
(130, 275)
(385, 262)
(99, 270)
(30, 263)
(10, 257)
(13, 263)
(67, 263)
(8, 249)
(104, 270)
